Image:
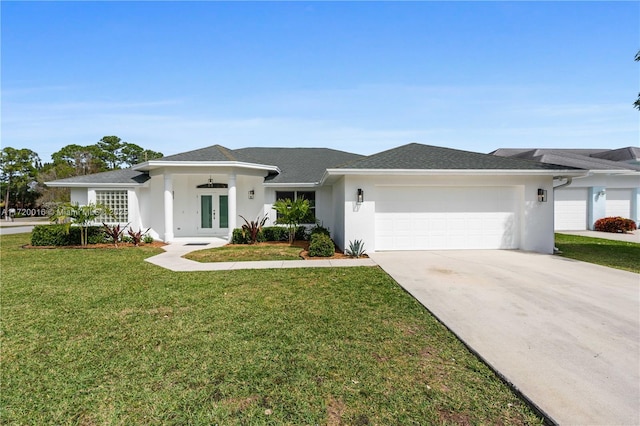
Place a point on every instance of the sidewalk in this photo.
(632, 237)
(172, 259)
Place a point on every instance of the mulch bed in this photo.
(98, 246)
(304, 247)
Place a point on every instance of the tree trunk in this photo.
(6, 199)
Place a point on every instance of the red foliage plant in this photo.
(614, 224)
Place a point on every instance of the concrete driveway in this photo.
(565, 333)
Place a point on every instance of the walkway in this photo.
(632, 237)
(172, 259)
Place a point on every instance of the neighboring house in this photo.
(413, 197)
(611, 188)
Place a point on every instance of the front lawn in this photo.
(246, 252)
(102, 337)
(614, 254)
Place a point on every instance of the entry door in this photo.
(213, 213)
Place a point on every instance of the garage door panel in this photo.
(618, 202)
(451, 218)
(570, 209)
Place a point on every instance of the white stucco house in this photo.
(610, 188)
(413, 197)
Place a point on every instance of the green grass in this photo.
(102, 337)
(614, 254)
(245, 253)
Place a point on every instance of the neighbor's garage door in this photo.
(434, 218)
(570, 209)
(618, 203)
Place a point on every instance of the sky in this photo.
(356, 76)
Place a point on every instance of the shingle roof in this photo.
(115, 177)
(427, 157)
(210, 153)
(588, 159)
(298, 165)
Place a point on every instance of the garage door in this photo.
(435, 218)
(570, 209)
(618, 203)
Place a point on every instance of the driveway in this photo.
(565, 333)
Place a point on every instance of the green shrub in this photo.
(239, 236)
(61, 235)
(614, 224)
(147, 239)
(275, 233)
(321, 246)
(319, 229)
(301, 234)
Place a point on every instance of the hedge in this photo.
(321, 246)
(614, 224)
(61, 235)
(268, 233)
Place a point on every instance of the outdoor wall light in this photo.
(360, 197)
(601, 193)
(542, 195)
(252, 194)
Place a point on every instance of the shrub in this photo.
(321, 246)
(114, 232)
(319, 229)
(63, 235)
(275, 233)
(614, 224)
(137, 236)
(147, 239)
(239, 236)
(253, 228)
(301, 234)
(355, 249)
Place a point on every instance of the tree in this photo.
(18, 169)
(84, 159)
(82, 216)
(636, 104)
(291, 213)
(132, 154)
(110, 151)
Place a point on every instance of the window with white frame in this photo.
(296, 195)
(118, 202)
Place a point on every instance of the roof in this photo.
(298, 165)
(210, 153)
(415, 156)
(588, 159)
(113, 177)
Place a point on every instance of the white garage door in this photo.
(435, 218)
(618, 203)
(570, 209)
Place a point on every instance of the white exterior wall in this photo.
(337, 231)
(80, 196)
(535, 224)
(598, 186)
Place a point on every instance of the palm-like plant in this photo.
(253, 227)
(355, 249)
(83, 216)
(291, 213)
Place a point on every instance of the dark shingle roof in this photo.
(588, 159)
(210, 153)
(114, 176)
(298, 165)
(427, 157)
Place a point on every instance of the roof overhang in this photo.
(329, 173)
(154, 164)
(59, 184)
(291, 185)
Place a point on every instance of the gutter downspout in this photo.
(568, 182)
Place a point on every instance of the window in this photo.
(295, 195)
(117, 202)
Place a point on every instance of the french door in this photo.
(213, 213)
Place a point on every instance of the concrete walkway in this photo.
(565, 333)
(172, 259)
(632, 237)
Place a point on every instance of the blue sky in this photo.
(357, 76)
